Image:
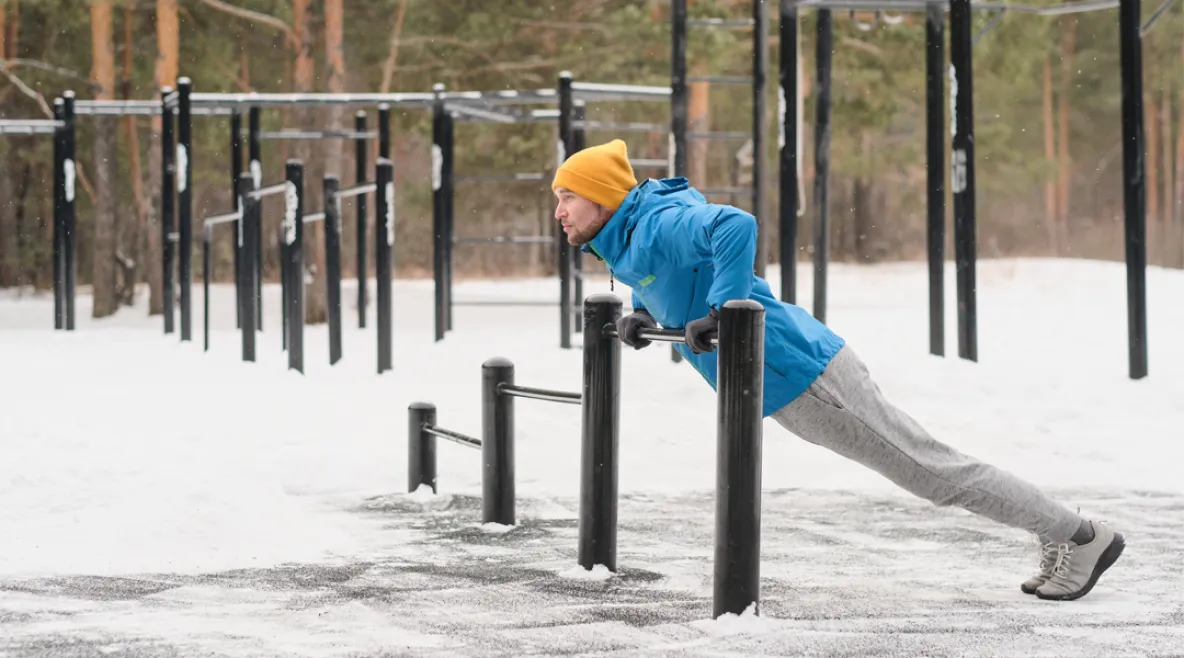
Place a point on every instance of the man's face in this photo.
(581, 218)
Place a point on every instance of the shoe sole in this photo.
(1028, 590)
(1108, 558)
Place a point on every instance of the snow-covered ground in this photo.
(158, 500)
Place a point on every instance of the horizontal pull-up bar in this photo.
(498, 178)
(222, 219)
(649, 163)
(357, 190)
(456, 437)
(620, 127)
(139, 108)
(284, 100)
(314, 217)
(539, 394)
(268, 191)
(719, 22)
(722, 79)
(478, 113)
(30, 127)
(317, 134)
(507, 239)
(920, 5)
(610, 92)
(721, 135)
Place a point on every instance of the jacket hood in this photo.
(642, 200)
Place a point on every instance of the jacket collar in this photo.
(614, 236)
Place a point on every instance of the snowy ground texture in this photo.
(156, 500)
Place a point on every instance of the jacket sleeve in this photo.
(638, 305)
(724, 235)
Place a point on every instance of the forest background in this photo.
(1047, 94)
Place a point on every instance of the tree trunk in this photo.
(1165, 220)
(864, 224)
(698, 120)
(316, 308)
(1178, 214)
(1068, 48)
(1149, 120)
(106, 302)
(9, 246)
(131, 239)
(1050, 155)
(3, 32)
(13, 41)
(303, 79)
(167, 46)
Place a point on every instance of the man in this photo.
(684, 258)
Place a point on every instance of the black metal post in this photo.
(449, 218)
(384, 131)
(935, 169)
(821, 256)
(333, 265)
(567, 139)
(679, 100)
(294, 240)
(70, 234)
(1134, 185)
(760, 53)
(246, 246)
(59, 225)
(205, 284)
(236, 168)
(579, 143)
(168, 190)
(421, 446)
(738, 458)
(962, 174)
(497, 442)
(788, 180)
(599, 432)
(360, 267)
(185, 203)
(384, 241)
(255, 155)
(438, 211)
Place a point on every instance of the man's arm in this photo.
(725, 235)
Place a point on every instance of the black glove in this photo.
(629, 325)
(699, 332)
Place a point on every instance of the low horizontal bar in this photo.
(497, 178)
(726, 190)
(457, 437)
(313, 217)
(650, 163)
(734, 135)
(722, 79)
(540, 394)
(357, 190)
(154, 109)
(506, 303)
(720, 22)
(267, 191)
(507, 239)
(480, 114)
(284, 100)
(660, 335)
(222, 219)
(317, 134)
(599, 91)
(621, 127)
(31, 127)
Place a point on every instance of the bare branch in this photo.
(46, 66)
(27, 91)
(255, 17)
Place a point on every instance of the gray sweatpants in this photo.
(844, 411)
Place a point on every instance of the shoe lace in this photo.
(1064, 555)
(1049, 551)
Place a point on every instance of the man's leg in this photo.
(844, 411)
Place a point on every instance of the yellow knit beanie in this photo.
(600, 174)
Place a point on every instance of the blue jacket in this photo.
(683, 256)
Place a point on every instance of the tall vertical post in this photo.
(679, 101)
(421, 446)
(333, 264)
(185, 203)
(360, 267)
(497, 442)
(236, 168)
(384, 131)
(599, 434)
(294, 241)
(255, 154)
(760, 52)
(384, 242)
(935, 171)
(1134, 190)
(821, 257)
(246, 246)
(59, 226)
(738, 457)
(962, 173)
(168, 191)
(579, 143)
(438, 210)
(206, 235)
(449, 217)
(69, 223)
(788, 151)
(567, 139)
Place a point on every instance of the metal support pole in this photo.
(579, 143)
(294, 254)
(449, 217)
(384, 242)
(821, 257)
(185, 203)
(601, 425)
(59, 225)
(360, 268)
(168, 190)
(69, 221)
(760, 52)
(384, 131)
(788, 180)
(421, 446)
(333, 264)
(962, 173)
(236, 168)
(246, 247)
(205, 283)
(567, 140)
(497, 442)
(255, 154)
(438, 211)
(679, 100)
(738, 460)
(935, 170)
(1134, 185)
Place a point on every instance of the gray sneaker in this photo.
(1077, 568)
(1048, 557)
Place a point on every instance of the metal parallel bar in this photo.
(721, 135)
(478, 113)
(267, 191)
(725, 190)
(720, 22)
(28, 128)
(283, 100)
(594, 90)
(153, 110)
(317, 134)
(540, 394)
(511, 239)
(920, 5)
(222, 219)
(649, 163)
(357, 190)
(456, 437)
(496, 178)
(174, 236)
(620, 127)
(314, 217)
(507, 303)
(1167, 4)
(722, 79)
(660, 335)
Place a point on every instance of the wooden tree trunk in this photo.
(106, 302)
(9, 245)
(167, 47)
(303, 79)
(1177, 212)
(1165, 219)
(698, 120)
(1050, 155)
(314, 241)
(1068, 48)
(12, 41)
(131, 238)
(1149, 120)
